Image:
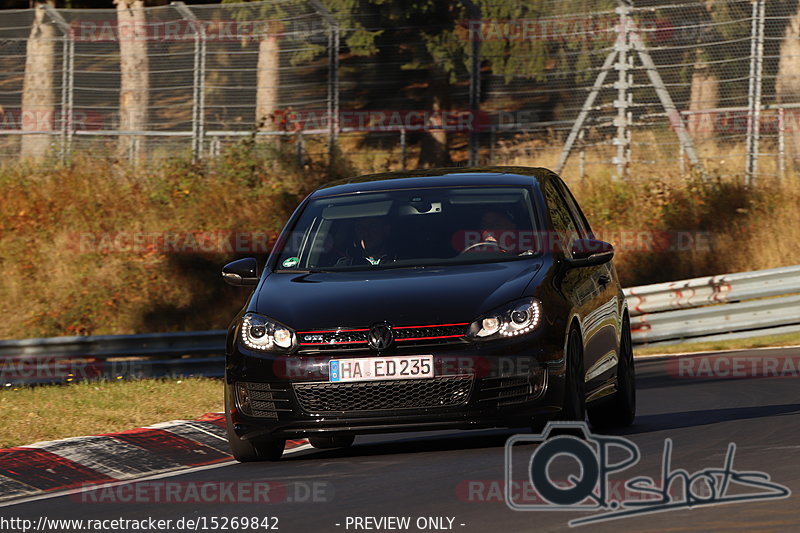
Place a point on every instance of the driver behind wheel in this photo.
(370, 243)
(498, 229)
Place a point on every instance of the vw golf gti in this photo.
(453, 298)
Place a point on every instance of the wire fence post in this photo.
(754, 93)
(334, 43)
(301, 157)
(492, 141)
(782, 143)
(474, 12)
(403, 148)
(67, 76)
(622, 66)
(198, 82)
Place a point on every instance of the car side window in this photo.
(574, 208)
(563, 223)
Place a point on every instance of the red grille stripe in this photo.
(330, 343)
(428, 338)
(431, 326)
(331, 331)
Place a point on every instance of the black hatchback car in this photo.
(454, 298)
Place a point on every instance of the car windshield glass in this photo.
(411, 227)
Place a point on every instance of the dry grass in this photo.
(62, 274)
(32, 414)
(50, 285)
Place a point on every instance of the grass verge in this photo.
(788, 339)
(32, 414)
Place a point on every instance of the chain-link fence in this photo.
(582, 86)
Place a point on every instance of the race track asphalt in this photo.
(460, 475)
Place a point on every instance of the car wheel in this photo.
(247, 451)
(620, 409)
(574, 408)
(324, 443)
(258, 449)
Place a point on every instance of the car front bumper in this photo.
(505, 383)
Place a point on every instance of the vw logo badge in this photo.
(380, 336)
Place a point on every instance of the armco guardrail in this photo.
(64, 359)
(746, 304)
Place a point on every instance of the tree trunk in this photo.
(134, 73)
(787, 82)
(37, 89)
(704, 96)
(268, 80)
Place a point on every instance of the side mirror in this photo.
(240, 273)
(590, 252)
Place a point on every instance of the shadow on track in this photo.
(497, 439)
(431, 443)
(687, 419)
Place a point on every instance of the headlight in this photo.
(516, 318)
(260, 333)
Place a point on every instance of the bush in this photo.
(66, 273)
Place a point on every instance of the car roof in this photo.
(441, 177)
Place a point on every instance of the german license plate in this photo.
(380, 368)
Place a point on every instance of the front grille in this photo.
(384, 395)
(356, 338)
(261, 400)
(510, 390)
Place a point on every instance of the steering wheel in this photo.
(482, 243)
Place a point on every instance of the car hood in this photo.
(416, 296)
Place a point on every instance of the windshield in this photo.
(411, 227)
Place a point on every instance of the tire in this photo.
(574, 407)
(326, 443)
(619, 410)
(250, 450)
